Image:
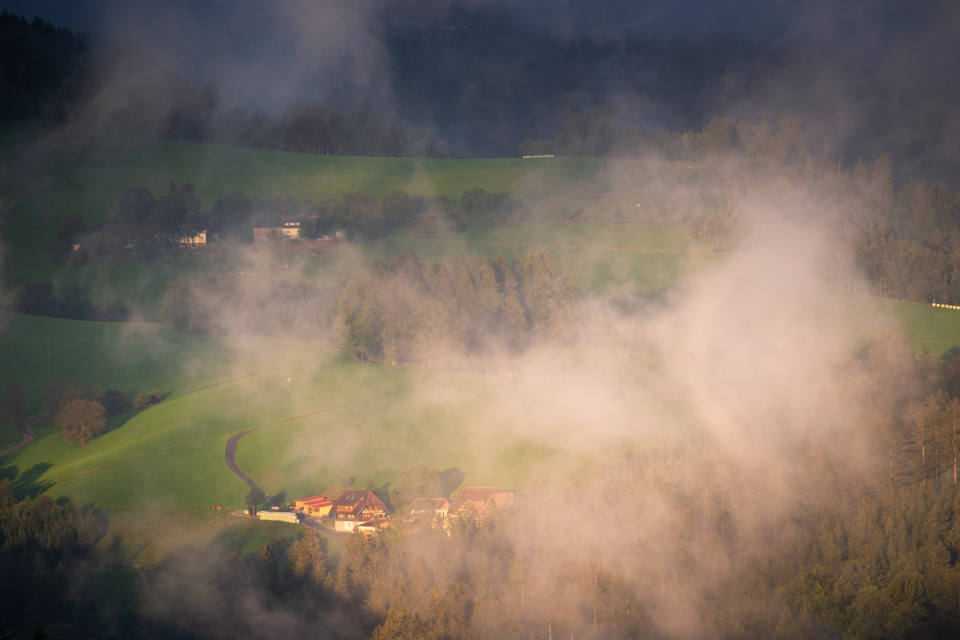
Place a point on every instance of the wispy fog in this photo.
(673, 439)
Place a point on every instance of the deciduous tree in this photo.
(80, 419)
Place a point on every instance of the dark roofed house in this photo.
(356, 507)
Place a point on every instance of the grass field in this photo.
(9, 436)
(934, 329)
(86, 174)
(159, 471)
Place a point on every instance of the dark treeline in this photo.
(57, 75)
(41, 67)
(325, 130)
(410, 310)
(37, 298)
(40, 542)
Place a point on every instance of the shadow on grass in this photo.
(117, 421)
(28, 483)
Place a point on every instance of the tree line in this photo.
(409, 310)
(41, 543)
(430, 313)
(51, 73)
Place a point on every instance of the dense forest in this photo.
(472, 82)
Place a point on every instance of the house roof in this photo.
(354, 502)
(314, 501)
(481, 498)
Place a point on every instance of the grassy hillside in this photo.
(46, 175)
(61, 172)
(324, 421)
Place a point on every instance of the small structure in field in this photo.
(279, 516)
(316, 506)
(357, 507)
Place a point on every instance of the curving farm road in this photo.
(28, 437)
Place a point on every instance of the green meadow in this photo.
(51, 173)
(319, 415)
(930, 328)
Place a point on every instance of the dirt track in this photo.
(28, 437)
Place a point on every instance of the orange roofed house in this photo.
(354, 508)
(316, 506)
(482, 500)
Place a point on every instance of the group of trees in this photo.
(152, 225)
(410, 310)
(80, 411)
(36, 297)
(40, 543)
(41, 67)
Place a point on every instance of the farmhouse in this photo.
(289, 230)
(482, 500)
(354, 508)
(316, 506)
(198, 239)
